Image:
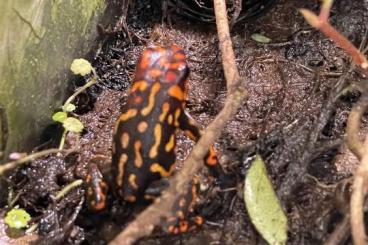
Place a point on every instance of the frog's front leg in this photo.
(192, 129)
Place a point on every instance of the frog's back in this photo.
(144, 137)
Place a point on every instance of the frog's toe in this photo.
(175, 225)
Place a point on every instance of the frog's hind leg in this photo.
(183, 218)
(192, 129)
(96, 189)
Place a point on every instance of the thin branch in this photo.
(341, 232)
(326, 28)
(360, 178)
(325, 10)
(237, 6)
(10, 165)
(352, 129)
(145, 222)
(357, 201)
(227, 53)
(67, 188)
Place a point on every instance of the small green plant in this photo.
(17, 218)
(71, 124)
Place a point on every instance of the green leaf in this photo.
(17, 218)
(263, 206)
(260, 38)
(73, 124)
(59, 116)
(81, 67)
(68, 107)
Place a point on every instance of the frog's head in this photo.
(163, 64)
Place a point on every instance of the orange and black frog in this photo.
(145, 136)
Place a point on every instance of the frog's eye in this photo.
(170, 76)
(177, 75)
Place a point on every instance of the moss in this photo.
(38, 42)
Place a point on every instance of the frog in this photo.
(144, 138)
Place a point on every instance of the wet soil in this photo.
(295, 118)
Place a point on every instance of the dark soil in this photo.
(294, 117)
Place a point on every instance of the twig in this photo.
(67, 188)
(325, 10)
(321, 23)
(360, 177)
(341, 232)
(237, 6)
(352, 138)
(59, 235)
(31, 229)
(227, 53)
(145, 222)
(357, 202)
(10, 165)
